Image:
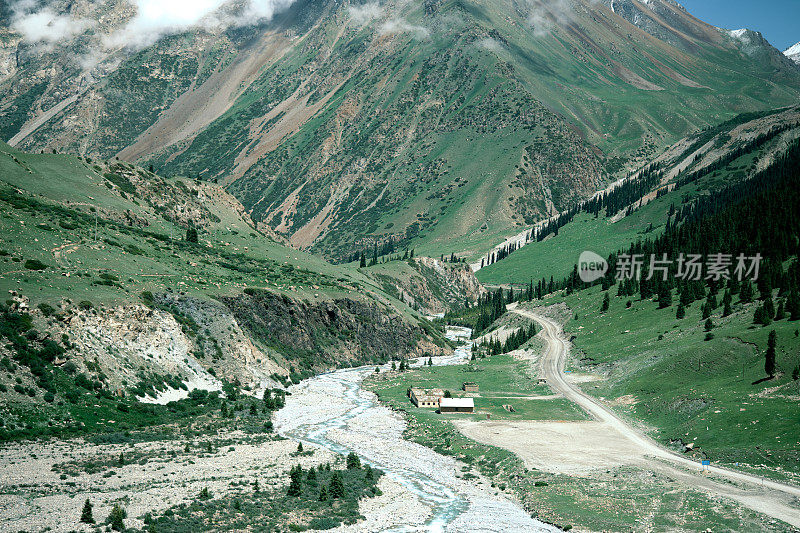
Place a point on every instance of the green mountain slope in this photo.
(731, 142)
(121, 284)
(442, 123)
(692, 360)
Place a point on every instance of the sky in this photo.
(777, 20)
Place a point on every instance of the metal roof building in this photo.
(456, 405)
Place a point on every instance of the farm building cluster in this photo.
(438, 399)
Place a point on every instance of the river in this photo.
(333, 411)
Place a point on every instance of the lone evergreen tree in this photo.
(746, 292)
(769, 359)
(681, 313)
(299, 447)
(363, 261)
(86, 513)
(726, 302)
(709, 325)
(606, 303)
(116, 518)
(191, 235)
(664, 296)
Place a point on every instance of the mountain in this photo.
(446, 125)
(793, 53)
(146, 287)
(639, 207)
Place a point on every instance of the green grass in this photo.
(613, 500)
(684, 387)
(55, 205)
(556, 255)
(501, 379)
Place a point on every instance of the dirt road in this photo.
(769, 497)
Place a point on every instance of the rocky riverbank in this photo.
(425, 490)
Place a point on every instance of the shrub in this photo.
(34, 264)
(323, 523)
(147, 298)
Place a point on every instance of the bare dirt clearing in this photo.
(542, 445)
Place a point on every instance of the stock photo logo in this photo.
(591, 267)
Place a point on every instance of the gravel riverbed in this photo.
(423, 490)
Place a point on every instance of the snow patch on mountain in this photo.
(793, 53)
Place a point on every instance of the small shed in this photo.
(456, 405)
(470, 386)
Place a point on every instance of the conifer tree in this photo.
(336, 489)
(769, 358)
(353, 462)
(116, 518)
(86, 513)
(295, 481)
(726, 303)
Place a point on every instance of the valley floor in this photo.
(600, 474)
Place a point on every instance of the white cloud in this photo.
(493, 45)
(400, 25)
(45, 25)
(366, 13)
(153, 19)
(256, 10)
(156, 18)
(543, 15)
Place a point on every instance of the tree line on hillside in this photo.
(613, 201)
(513, 342)
(760, 215)
(632, 190)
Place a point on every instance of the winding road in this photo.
(778, 500)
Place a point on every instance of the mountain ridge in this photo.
(306, 118)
